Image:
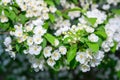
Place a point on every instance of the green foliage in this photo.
(57, 1)
(75, 1)
(92, 21)
(101, 32)
(44, 43)
(4, 26)
(73, 64)
(10, 14)
(93, 46)
(52, 17)
(67, 39)
(17, 47)
(22, 18)
(50, 2)
(113, 49)
(46, 26)
(50, 38)
(71, 53)
(57, 66)
(116, 11)
(58, 12)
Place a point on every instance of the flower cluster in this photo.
(67, 35)
(87, 59)
(113, 32)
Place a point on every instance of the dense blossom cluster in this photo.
(113, 31)
(55, 37)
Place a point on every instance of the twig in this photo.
(4, 32)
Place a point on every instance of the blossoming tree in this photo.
(60, 34)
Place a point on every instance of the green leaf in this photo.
(22, 18)
(57, 66)
(50, 38)
(75, 9)
(71, 53)
(57, 2)
(17, 47)
(116, 11)
(101, 32)
(65, 16)
(73, 64)
(113, 49)
(4, 26)
(52, 17)
(44, 43)
(66, 40)
(10, 13)
(46, 25)
(100, 41)
(118, 74)
(49, 2)
(93, 46)
(58, 13)
(92, 21)
(75, 1)
(15, 10)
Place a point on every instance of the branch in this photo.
(4, 33)
(79, 4)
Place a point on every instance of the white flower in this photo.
(105, 46)
(5, 2)
(29, 27)
(35, 65)
(89, 29)
(115, 2)
(82, 20)
(34, 50)
(81, 57)
(51, 62)
(9, 48)
(80, 26)
(95, 13)
(29, 41)
(36, 69)
(89, 54)
(106, 7)
(45, 10)
(56, 42)
(93, 37)
(74, 14)
(39, 30)
(7, 41)
(52, 9)
(12, 54)
(85, 68)
(38, 22)
(47, 51)
(62, 50)
(18, 27)
(18, 33)
(25, 51)
(3, 18)
(24, 37)
(99, 55)
(41, 66)
(94, 62)
(45, 16)
(117, 67)
(56, 55)
(37, 39)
